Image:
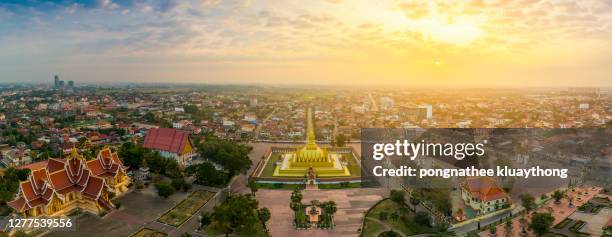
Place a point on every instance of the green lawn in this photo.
(371, 228)
(148, 233)
(268, 169)
(186, 208)
(405, 224)
(353, 165)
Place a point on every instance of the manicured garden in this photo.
(576, 228)
(268, 169)
(563, 223)
(145, 232)
(186, 208)
(397, 216)
(323, 210)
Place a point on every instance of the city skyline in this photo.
(327, 42)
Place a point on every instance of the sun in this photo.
(437, 63)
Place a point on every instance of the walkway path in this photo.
(387, 227)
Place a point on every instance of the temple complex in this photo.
(311, 159)
(74, 183)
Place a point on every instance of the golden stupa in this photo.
(322, 162)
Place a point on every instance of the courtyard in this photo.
(560, 211)
(138, 208)
(352, 205)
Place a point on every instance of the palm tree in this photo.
(508, 228)
(330, 207)
(558, 195)
(253, 187)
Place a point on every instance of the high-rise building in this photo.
(56, 81)
(61, 83)
(71, 84)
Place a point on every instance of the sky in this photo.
(469, 43)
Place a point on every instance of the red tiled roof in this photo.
(107, 164)
(54, 165)
(484, 188)
(94, 187)
(17, 204)
(64, 176)
(166, 139)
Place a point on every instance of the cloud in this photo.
(358, 30)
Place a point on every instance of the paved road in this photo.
(239, 183)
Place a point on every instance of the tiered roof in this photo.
(63, 176)
(106, 165)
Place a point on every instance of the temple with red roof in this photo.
(65, 185)
(171, 143)
(484, 195)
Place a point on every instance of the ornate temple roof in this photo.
(64, 176)
(106, 165)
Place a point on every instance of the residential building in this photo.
(483, 194)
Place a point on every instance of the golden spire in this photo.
(74, 153)
(311, 133)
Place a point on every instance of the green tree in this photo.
(558, 195)
(264, 216)
(237, 213)
(330, 207)
(164, 188)
(253, 187)
(296, 196)
(179, 183)
(205, 220)
(540, 223)
(206, 174)
(527, 201)
(232, 156)
(9, 182)
(340, 140)
(422, 218)
(397, 196)
(443, 229)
